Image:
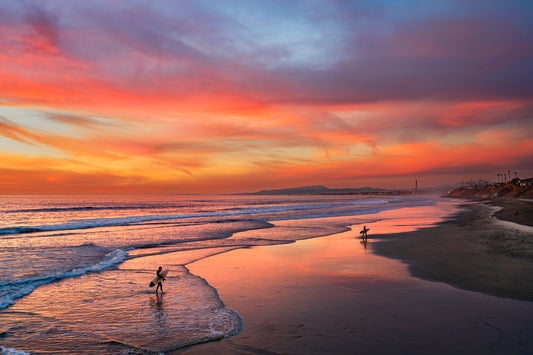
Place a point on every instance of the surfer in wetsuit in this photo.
(160, 282)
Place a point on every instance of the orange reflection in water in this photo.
(314, 264)
(339, 255)
(291, 268)
(411, 218)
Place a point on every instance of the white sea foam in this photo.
(225, 323)
(512, 225)
(507, 224)
(8, 351)
(10, 291)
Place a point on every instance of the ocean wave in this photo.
(95, 208)
(117, 221)
(9, 351)
(10, 291)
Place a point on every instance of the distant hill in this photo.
(318, 190)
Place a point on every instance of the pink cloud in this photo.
(354, 91)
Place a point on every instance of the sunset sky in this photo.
(237, 96)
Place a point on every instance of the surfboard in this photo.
(156, 279)
(364, 230)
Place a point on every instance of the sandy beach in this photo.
(479, 251)
(432, 279)
(337, 295)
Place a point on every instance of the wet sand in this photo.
(335, 295)
(323, 295)
(513, 210)
(478, 251)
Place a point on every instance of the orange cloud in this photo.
(283, 147)
(168, 106)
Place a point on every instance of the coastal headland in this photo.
(516, 188)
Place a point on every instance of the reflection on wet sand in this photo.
(327, 295)
(158, 308)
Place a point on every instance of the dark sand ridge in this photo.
(473, 252)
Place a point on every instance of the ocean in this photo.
(75, 270)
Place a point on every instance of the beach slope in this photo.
(482, 250)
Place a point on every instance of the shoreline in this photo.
(328, 294)
(334, 295)
(477, 250)
(518, 211)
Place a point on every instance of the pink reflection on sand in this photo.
(341, 254)
(409, 219)
(277, 267)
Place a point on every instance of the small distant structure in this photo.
(526, 182)
(410, 190)
(506, 177)
(472, 184)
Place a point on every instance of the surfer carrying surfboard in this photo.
(364, 233)
(161, 279)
